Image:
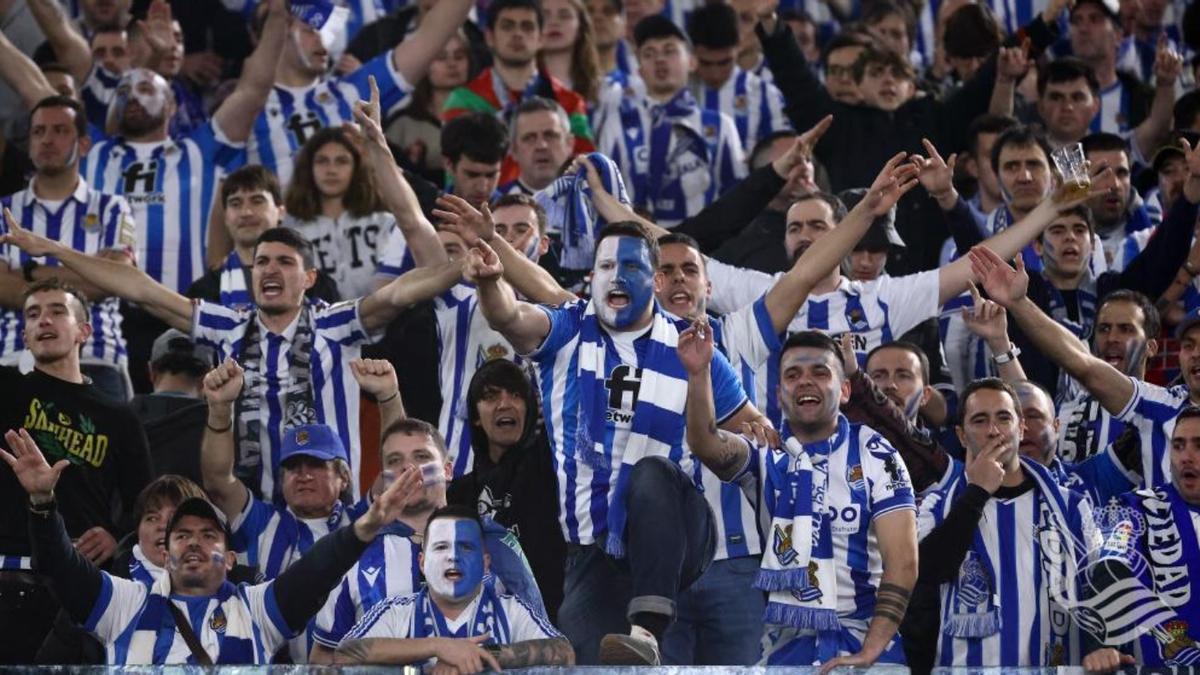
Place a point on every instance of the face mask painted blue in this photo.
(622, 281)
(453, 563)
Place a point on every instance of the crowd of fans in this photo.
(497, 334)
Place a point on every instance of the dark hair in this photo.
(478, 136)
(714, 26)
(972, 32)
(55, 284)
(501, 374)
(878, 55)
(166, 489)
(812, 339)
(1080, 211)
(411, 426)
(111, 27)
(1151, 320)
(59, 101)
(1067, 69)
(456, 511)
(291, 238)
(498, 6)
(1102, 141)
(764, 144)
(678, 238)
(303, 199)
(990, 383)
(846, 38)
(251, 178)
(905, 345)
(585, 60)
(833, 201)
(987, 124)
(175, 363)
(879, 10)
(1186, 110)
(1021, 136)
(657, 27)
(522, 199)
(797, 14)
(56, 67)
(1187, 413)
(532, 104)
(422, 93)
(629, 228)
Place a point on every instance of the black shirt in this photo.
(110, 463)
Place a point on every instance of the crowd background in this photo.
(279, 258)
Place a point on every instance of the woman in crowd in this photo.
(569, 47)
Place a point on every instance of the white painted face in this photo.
(622, 280)
(143, 86)
(453, 558)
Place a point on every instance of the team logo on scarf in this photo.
(783, 544)
(217, 622)
(1178, 639)
(813, 592)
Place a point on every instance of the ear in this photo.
(708, 288)
(448, 469)
(421, 557)
(844, 397)
(85, 144)
(310, 278)
(969, 165)
(962, 439)
(1037, 246)
(926, 394)
(660, 282)
(487, 562)
(543, 245)
(692, 63)
(1151, 348)
(85, 332)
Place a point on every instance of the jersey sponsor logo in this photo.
(623, 384)
(845, 519)
(303, 125)
(140, 178)
(370, 574)
(61, 437)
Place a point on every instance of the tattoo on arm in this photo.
(549, 652)
(353, 651)
(891, 602)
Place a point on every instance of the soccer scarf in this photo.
(797, 570)
(968, 605)
(669, 120)
(155, 631)
(141, 569)
(656, 414)
(234, 290)
(568, 203)
(262, 386)
(489, 618)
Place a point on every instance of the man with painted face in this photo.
(141, 623)
(614, 413)
(980, 531)
(58, 203)
(457, 622)
(838, 586)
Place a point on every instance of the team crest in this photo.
(857, 320)
(217, 622)
(710, 131)
(324, 98)
(739, 101)
(813, 592)
(301, 438)
(854, 476)
(91, 221)
(782, 543)
(1177, 634)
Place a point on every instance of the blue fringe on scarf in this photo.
(802, 618)
(782, 580)
(977, 625)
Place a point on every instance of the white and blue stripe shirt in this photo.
(395, 618)
(171, 186)
(293, 114)
(1152, 410)
(585, 492)
(347, 248)
(338, 336)
(754, 104)
(89, 221)
(241, 624)
(396, 259)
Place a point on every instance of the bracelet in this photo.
(216, 430)
(1008, 356)
(44, 508)
(385, 400)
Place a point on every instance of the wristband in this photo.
(45, 508)
(385, 400)
(220, 430)
(1008, 356)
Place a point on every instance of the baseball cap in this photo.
(1110, 7)
(201, 508)
(1192, 319)
(882, 234)
(176, 342)
(1172, 148)
(313, 440)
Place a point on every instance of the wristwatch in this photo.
(1008, 356)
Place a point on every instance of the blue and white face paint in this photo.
(327, 19)
(622, 281)
(453, 562)
(146, 87)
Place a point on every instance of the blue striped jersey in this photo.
(1008, 529)
(584, 491)
(270, 538)
(396, 259)
(1114, 112)
(97, 91)
(754, 104)
(465, 342)
(867, 479)
(338, 337)
(88, 221)
(1152, 410)
(293, 114)
(389, 568)
(1085, 427)
(171, 185)
(1013, 14)
(241, 624)
(1132, 245)
(698, 158)
(875, 312)
(347, 248)
(516, 621)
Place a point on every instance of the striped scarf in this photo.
(797, 570)
(568, 202)
(489, 618)
(235, 292)
(656, 413)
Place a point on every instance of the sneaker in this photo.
(638, 649)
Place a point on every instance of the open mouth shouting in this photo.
(618, 299)
(271, 288)
(506, 421)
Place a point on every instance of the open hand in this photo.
(157, 28)
(695, 347)
(1003, 284)
(389, 504)
(33, 244)
(26, 459)
(859, 660)
(895, 180)
(468, 222)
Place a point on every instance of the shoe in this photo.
(639, 649)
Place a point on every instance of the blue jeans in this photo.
(719, 619)
(669, 541)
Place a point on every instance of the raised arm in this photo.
(395, 190)
(1168, 64)
(222, 387)
(988, 320)
(235, 118)
(412, 56)
(723, 452)
(1008, 288)
(377, 377)
(416, 285)
(116, 278)
(70, 49)
(522, 324)
(1013, 64)
(22, 74)
(789, 294)
(472, 225)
